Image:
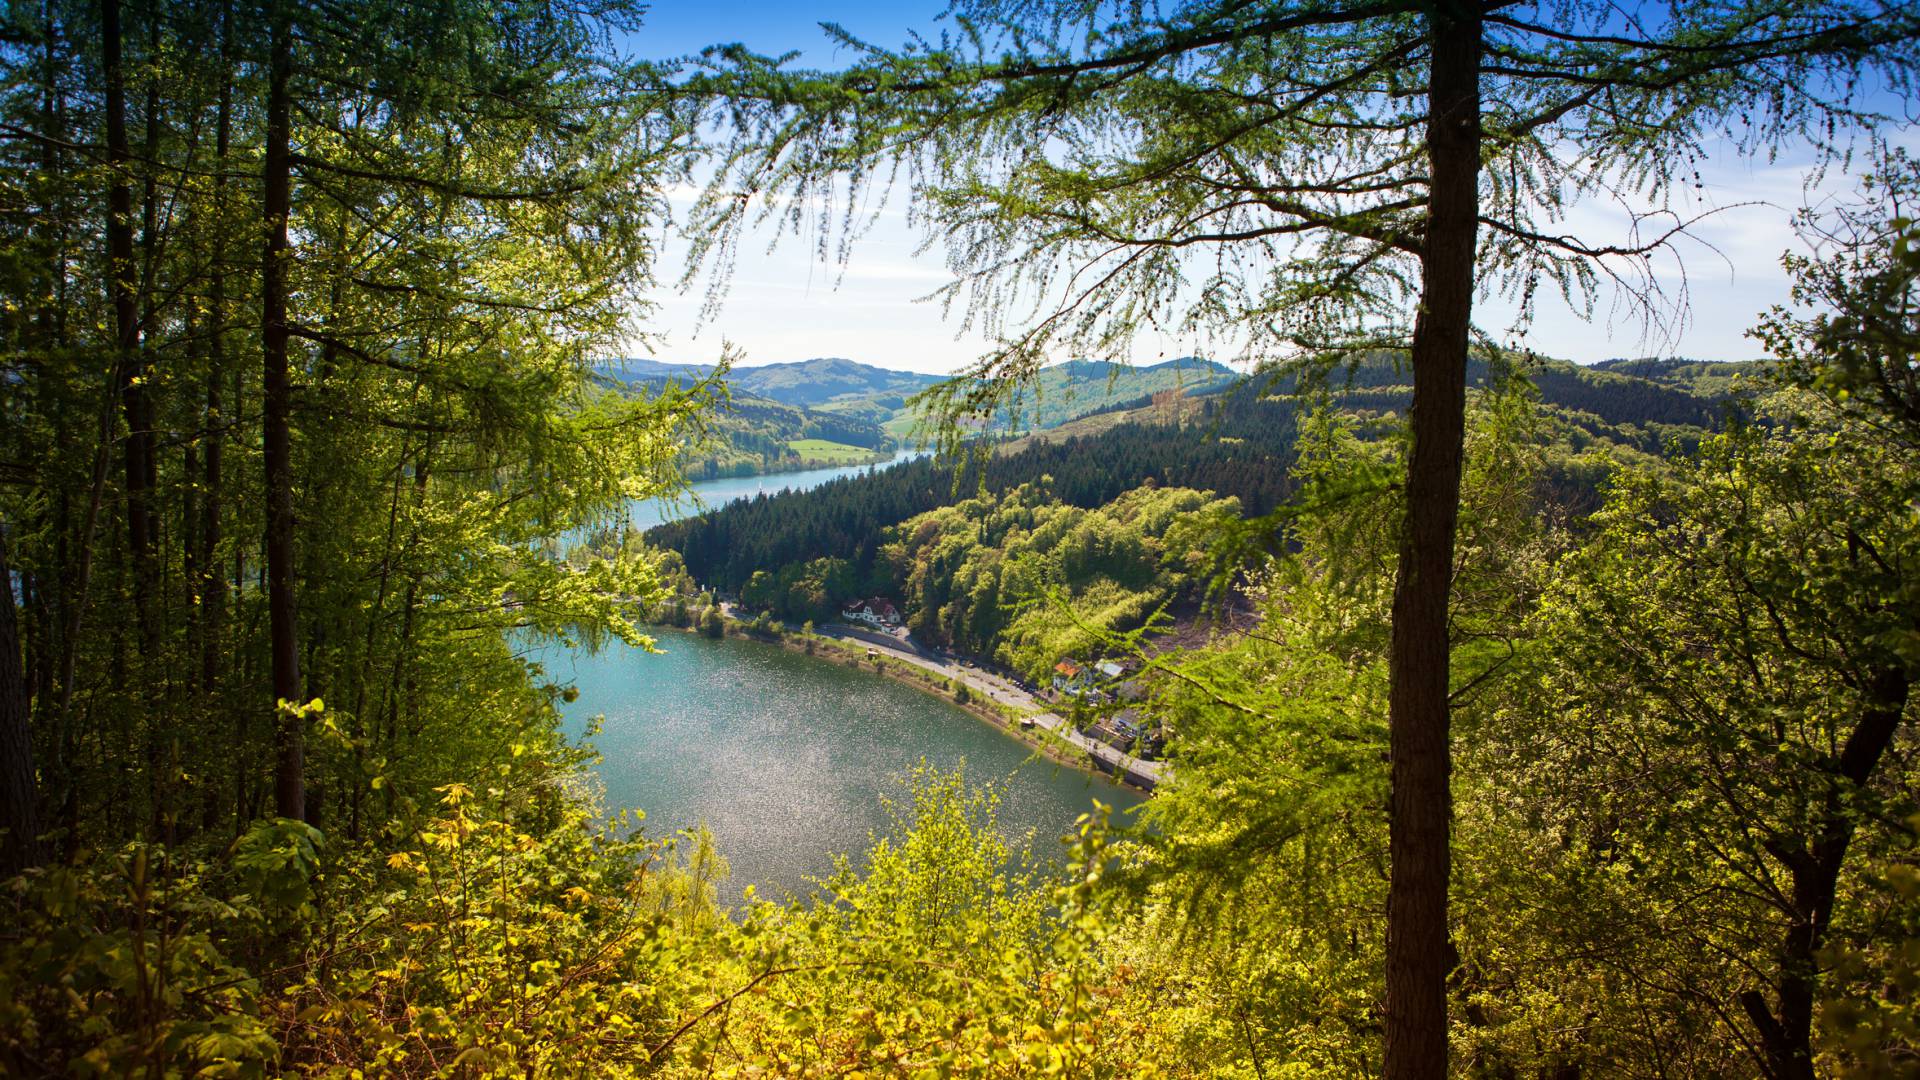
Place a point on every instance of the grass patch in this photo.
(823, 450)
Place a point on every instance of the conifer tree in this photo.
(1311, 180)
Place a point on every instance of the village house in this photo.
(1071, 679)
(1074, 679)
(878, 611)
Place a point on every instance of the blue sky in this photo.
(679, 27)
(784, 304)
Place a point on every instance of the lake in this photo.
(785, 756)
(713, 494)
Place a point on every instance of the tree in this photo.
(1726, 714)
(1325, 168)
(1724, 676)
(1862, 280)
(381, 484)
(20, 847)
(276, 434)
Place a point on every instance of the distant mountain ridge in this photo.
(821, 379)
(1083, 370)
(824, 379)
(878, 395)
(1687, 392)
(796, 382)
(757, 433)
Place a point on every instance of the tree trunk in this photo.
(19, 797)
(277, 438)
(1419, 952)
(213, 584)
(1786, 1032)
(144, 318)
(128, 373)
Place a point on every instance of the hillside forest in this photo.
(1527, 720)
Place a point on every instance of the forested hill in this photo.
(1239, 446)
(1233, 443)
(1640, 404)
(882, 396)
(1633, 402)
(821, 380)
(1075, 388)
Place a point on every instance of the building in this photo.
(878, 611)
(1071, 678)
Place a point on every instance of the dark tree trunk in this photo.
(1786, 1031)
(148, 561)
(190, 518)
(19, 795)
(213, 583)
(277, 438)
(212, 586)
(1419, 952)
(129, 372)
(401, 686)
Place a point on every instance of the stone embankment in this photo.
(1145, 775)
(997, 700)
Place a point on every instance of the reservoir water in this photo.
(784, 756)
(713, 494)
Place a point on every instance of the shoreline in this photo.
(877, 457)
(847, 651)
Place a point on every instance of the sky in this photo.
(785, 304)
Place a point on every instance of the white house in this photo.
(878, 611)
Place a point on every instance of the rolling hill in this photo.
(798, 382)
(1234, 441)
(1077, 388)
(790, 415)
(755, 434)
(868, 398)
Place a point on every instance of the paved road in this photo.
(1146, 774)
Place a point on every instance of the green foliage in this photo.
(1700, 737)
(505, 934)
(1281, 784)
(449, 439)
(126, 964)
(1029, 580)
(1873, 1031)
(1863, 278)
(946, 956)
(276, 862)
